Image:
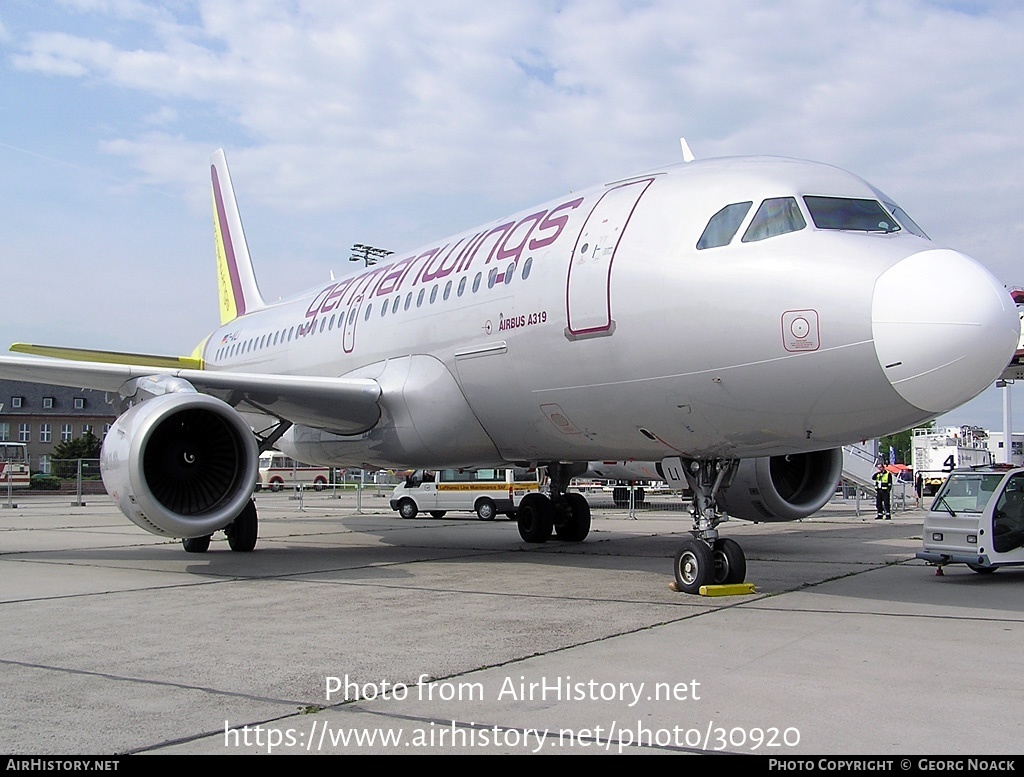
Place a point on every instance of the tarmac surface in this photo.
(361, 632)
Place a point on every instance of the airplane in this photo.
(736, 319)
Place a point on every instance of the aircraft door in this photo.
(588, 297)
(351, 320)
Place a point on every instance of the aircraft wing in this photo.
(340, 405)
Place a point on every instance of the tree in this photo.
(902, 443)
(85, 447)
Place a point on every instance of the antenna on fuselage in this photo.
(687, 154)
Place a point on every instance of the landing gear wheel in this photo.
(438, 513)
(407, 509)
(196, 544)
(243, 531)
(535, 517)
(694, 566)
(982, 570)
(620, 496)
(572, 523)
(485, 510)
(730, 563)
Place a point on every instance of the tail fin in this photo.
(238, 290)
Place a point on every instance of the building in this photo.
(995, 444)
(45, 416)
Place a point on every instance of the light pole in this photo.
(368, 255)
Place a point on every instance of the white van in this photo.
(486, 492)
(977, 519)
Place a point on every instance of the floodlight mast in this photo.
(368, 255)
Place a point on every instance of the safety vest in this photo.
(883, 480)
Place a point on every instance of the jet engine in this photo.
(181, 464)
(783, 488)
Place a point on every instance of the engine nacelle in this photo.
(783, 488)
(180, 464)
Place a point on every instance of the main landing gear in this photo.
(708, 559)
(241, 532)
(565, 514)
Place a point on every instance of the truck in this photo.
(936, 452)
(977, 519)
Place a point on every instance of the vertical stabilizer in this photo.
(239, 294)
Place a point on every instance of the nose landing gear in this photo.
(706, 559)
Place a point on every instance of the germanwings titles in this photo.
(734, 320)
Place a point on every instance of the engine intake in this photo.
(783, 488)
(180, 464)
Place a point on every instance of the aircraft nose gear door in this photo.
(588, 296)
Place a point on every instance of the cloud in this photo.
(396, 122)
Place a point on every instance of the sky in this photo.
(395, 123)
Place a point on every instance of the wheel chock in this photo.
(731, 589)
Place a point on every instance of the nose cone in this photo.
(944, 328)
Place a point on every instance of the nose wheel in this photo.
(730, 563)
(698, 565)
(694, 566)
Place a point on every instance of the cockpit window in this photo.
(776, 216)
(851, 214)
(723, 225)
(907, 222)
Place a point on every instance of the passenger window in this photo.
(775, 216)
(721, 229)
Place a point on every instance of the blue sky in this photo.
(394, 123)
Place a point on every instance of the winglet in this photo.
(239, 294)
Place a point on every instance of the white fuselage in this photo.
(592, 327)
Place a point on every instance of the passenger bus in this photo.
(486, 492)
(14, 469)
(278, 471)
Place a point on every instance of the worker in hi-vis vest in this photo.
(883, 492)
